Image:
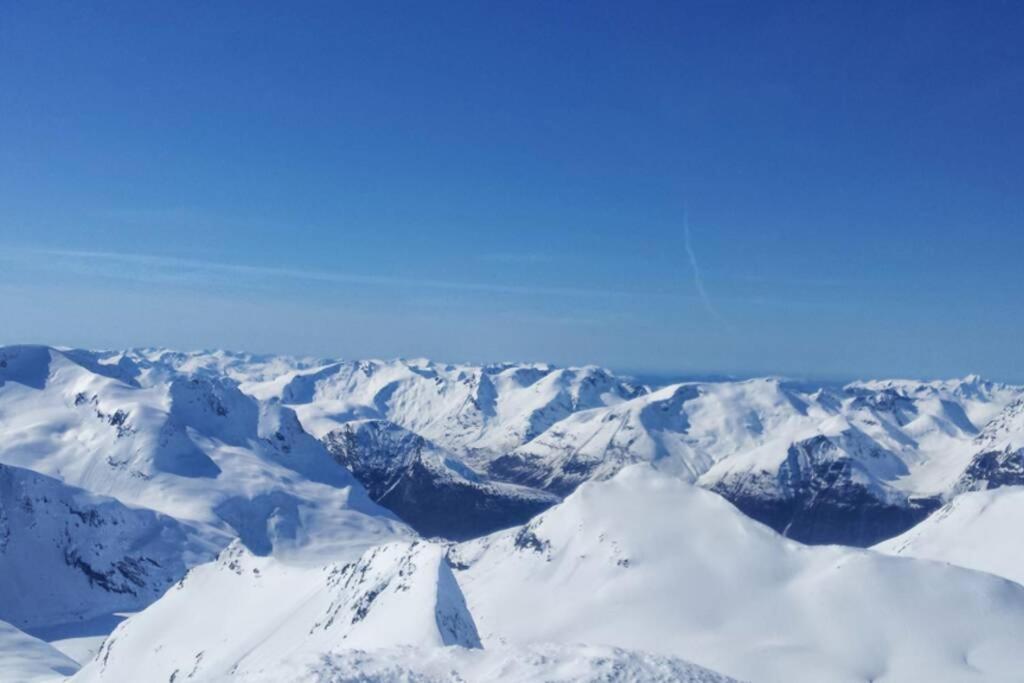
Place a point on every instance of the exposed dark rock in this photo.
(993, 469)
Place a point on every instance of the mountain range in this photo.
(229, 516)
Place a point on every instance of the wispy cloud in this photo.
(517, 257)
(149, 267)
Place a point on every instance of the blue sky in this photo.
(512, 181)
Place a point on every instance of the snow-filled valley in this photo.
(211, 516)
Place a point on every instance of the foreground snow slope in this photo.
(24, 659)
(979, 530)
(643, 562)
(526, 664)
(646, 561)
(244, 614)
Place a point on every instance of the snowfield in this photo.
(976, 530)
(211, 516)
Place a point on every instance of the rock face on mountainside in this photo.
(1000, 457)
(821, 493)
(68, 555)
(429, 487)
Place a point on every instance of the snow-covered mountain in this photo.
(977, 528)
(852, 464)
(330, 493)
(730, 595)
(194, 448)
(246, 613)
(460, 450)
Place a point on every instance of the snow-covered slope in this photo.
(977, 530)
(24, 659)
(646, 561)
(524, 664)
(641, 563)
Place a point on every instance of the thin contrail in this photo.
(698, 281)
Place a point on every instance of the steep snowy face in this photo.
(646, 561)
(67, 555)
(244, 615)
(977, 530)
(192, 447)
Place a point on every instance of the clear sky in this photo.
(478, 181)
